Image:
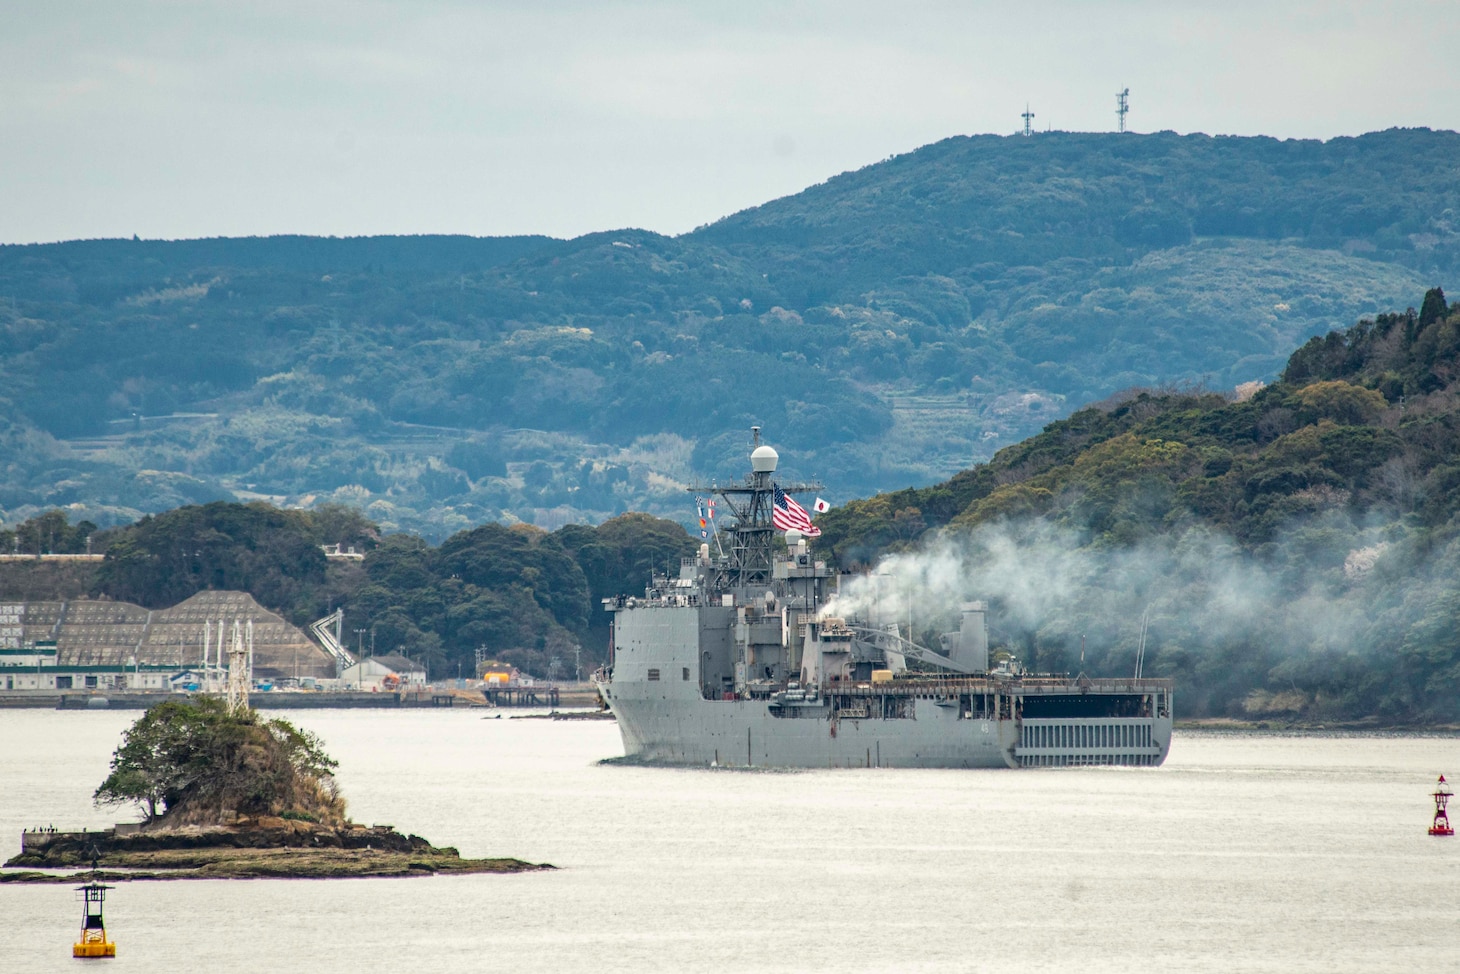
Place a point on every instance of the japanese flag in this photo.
(821, 506)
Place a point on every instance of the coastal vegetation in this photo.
(192, 762)
(888, 327)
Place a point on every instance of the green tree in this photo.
(1433, 309)
(51, 533)
(618, 556)
(272, 554)
(191, 762)
(1343, 402)
(497, 557)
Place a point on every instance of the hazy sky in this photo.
(187, 119)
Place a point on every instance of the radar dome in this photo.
(763, 460)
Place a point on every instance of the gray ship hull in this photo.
(657, 693)
(744, 733)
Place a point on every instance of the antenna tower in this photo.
(1122, 105)
(753, 529)
(240, 668)
(1028, 117)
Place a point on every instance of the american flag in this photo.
(787, 515)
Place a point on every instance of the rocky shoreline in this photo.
(268, 848)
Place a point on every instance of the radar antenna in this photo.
(1028, 117)
(1122, 105)
(752, 529)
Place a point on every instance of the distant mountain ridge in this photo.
(887, 327)
(436, 253)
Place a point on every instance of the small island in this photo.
(226, 794)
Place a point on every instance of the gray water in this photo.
(1242, 853)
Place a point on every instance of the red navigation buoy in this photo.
(1441, 824)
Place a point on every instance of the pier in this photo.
(521, 696)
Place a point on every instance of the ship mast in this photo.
(752, 533)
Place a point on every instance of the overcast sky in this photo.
(189, 119)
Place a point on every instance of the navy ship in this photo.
(741, 660)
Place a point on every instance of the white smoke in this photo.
(1049, 590)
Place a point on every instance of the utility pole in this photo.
(359, 656)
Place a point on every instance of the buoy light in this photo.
(93, 942)
(1441, 824)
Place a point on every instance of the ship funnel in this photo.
(970, 644)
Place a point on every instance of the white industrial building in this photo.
(389, 672)
(97, 644)
(38, 667)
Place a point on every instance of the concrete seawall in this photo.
(50, 700)
(141, 701)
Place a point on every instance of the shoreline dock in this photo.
(571, 695)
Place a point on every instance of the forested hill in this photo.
(1295, 551)
(888, 327)
(1290, 551)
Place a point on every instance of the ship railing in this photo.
(656, 601)
(954, 686)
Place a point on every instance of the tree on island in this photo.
(190, 762)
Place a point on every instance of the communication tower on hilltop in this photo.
(1122, 105)
(1028, 117)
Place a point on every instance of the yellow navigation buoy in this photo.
(93, 942)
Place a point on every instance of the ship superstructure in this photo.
(735, 661)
